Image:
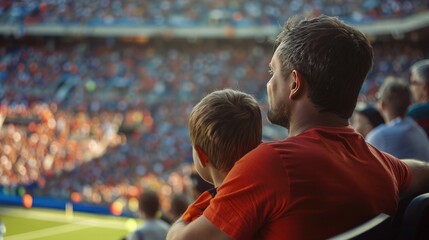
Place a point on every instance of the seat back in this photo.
(415, 222)
(399, 215)
(378, 227)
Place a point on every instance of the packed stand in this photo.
(198, 13)
(41, 141)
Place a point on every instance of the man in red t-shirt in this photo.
(324, 178)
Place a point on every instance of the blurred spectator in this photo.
(199, 185)
(365, 118)
(179, 204)
(153, 227)
(401, 136)
(420, 92)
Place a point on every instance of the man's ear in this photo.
(296, 86)
(204, 159)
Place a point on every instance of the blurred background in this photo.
(95, 95)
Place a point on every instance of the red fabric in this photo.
(311, 186)
(197, 208)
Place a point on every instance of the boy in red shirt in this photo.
(224, 126)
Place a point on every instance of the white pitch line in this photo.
(57, 217)
(47, 232)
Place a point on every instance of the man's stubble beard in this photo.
(279, 117)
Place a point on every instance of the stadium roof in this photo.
(393, 27)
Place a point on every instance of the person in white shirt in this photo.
(401, 136)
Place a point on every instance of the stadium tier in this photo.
(210, 19)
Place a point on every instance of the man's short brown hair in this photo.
(333, 58)
(226, 124)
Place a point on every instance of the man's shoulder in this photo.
(379, 134)
(279, 144)
(315, 135)
(290, 145)
(151, 229)
(269, 151)
(155, 224)
(380, 130)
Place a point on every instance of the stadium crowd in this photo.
(106, 118)
(197, 13)
(40, 141)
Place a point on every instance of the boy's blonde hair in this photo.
(226, 124)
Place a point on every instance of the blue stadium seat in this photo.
(378, 227)
(415, 222)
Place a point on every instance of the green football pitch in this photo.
(48, 224)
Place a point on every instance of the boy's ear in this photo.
(204, 159)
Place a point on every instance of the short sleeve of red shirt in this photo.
(400, 170)
(241, 198)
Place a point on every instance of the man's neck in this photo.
(307, 116)
(314, 119)
(424, 98)
(390, 117)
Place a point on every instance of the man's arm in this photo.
(420, 178)
(201, 228)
